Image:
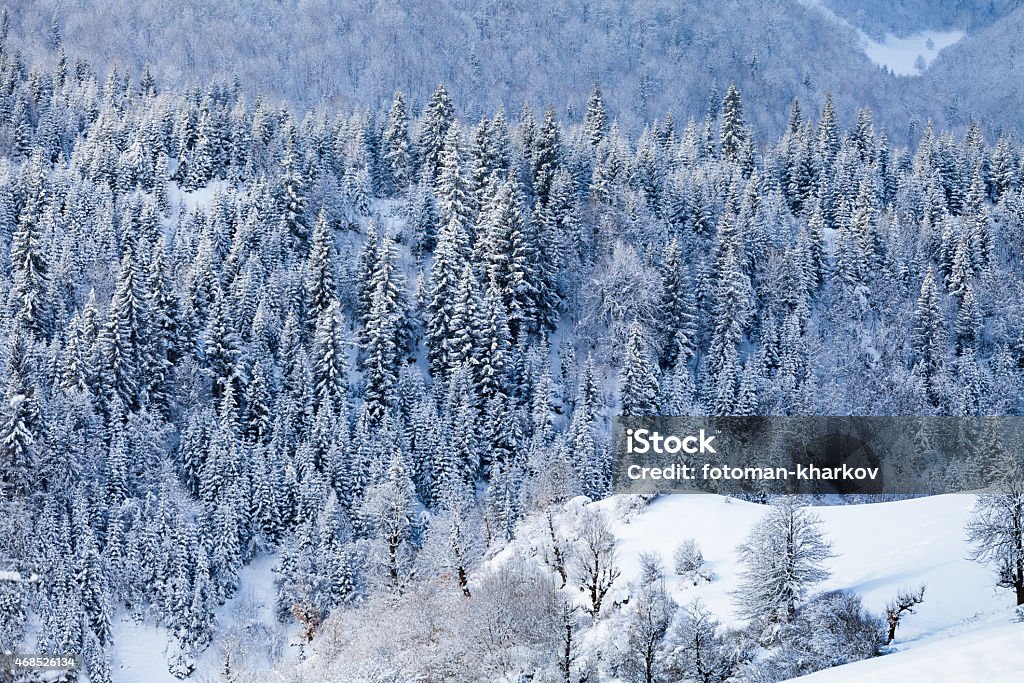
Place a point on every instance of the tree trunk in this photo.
(567, 655)
(1020, 580)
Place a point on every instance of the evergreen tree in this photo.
(677, 324)
(396, 142)
(595, 122)
(386, 334)
(928, 338)
(546, 157)
(321, 290)
(330, 365)
(446, 271)
(968, 323)
(733, 136)
(223, 349)
(493, 347)
(731, 308)
(367, 262)
(421, 214)
(639, 377)
(293, 197)
(28, 262)
(828, 132)
(454, 201)
(437, 119)
(125, 338)
(21, 429)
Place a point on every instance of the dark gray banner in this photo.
(815, 455)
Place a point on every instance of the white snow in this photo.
(908, 56)
(190, 199)
(880, 548)
(140, 654)
(904, 56)
(992, 654)
(963, 631)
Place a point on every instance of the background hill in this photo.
(651, 56)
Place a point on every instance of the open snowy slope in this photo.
(249, 633)
(880, 548)
(961, 632)
(992, 653)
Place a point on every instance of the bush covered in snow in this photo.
(688, 561)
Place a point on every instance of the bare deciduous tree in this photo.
(904, 603)
(594, 558)
(996, 532)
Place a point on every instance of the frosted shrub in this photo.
(687, 558)
(652, 569)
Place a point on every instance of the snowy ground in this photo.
(140, 651)
(962, 632)
(910, 55)
(904, 56)
(991, 653)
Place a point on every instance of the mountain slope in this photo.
(990, 653)
(651, 56)
(879, 549)
(980, 76)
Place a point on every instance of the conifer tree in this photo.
(526, 286)
(595, 121)
(466, 324)
(493, 347)
(454, 200)
(677, 324)
(293, 198)
(446, 271)
(928, 336)
(367, 262)
(330, 365)
(484, 161)
(968, 322)
(21, 428)
(396, 142)
(828, 132)
(639, 377)
(28, 262)
(437, 119)
(546, 157)
(223, 349)
(386, 335)
(125, 338)
(731, 308)
(733, 136)
(320, 286)
(421, 214)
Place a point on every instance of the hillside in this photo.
(293, 388)
(987, 653)
(652, 56)
(961, 632)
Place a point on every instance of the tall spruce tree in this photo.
(638, 380)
